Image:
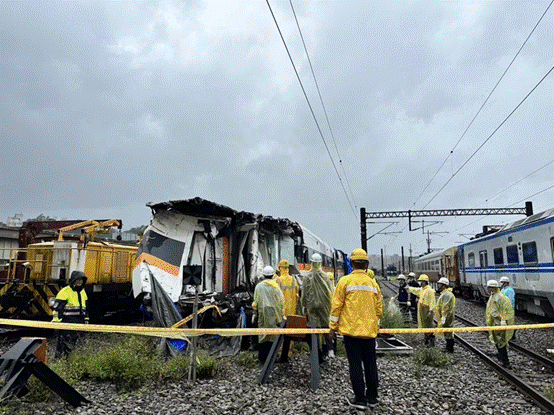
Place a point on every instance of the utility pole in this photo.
(410, 260)
(363, 227)
(382, 264)
(402, 270)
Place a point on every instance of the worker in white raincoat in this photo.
(269, 310)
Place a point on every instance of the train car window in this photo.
(530, 255)
(498, 257)
(511, 254)
(166, 249)
(471, 260)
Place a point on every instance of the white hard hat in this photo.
(316, 258)
(504, 279)
(492, 283)
(401, 277)
(268, 271)
(411, 274)
(444, 281)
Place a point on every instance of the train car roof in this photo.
(435, 254)
(316, 240)
(528, 222)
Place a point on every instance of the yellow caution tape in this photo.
(189, 318)
(177, 333)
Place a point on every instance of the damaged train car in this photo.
(231, 246)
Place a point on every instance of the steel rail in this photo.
(544, 360)
(538, 398)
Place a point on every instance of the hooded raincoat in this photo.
(425, 305)
(290, 288)
(444, 308)
(357, 306)
(316, 296)
(499, 309)
(269, 304)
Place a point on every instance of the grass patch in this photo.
(247, 359)
(430, 356)
(129, 363)
(549, 393)
(392, 316)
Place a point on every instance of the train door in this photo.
(483, 264)
(531, 262)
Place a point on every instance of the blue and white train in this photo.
(523, 251)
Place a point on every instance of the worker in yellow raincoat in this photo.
(499, 312)
(291, 289)
(445, 311)
(425, 307)
(269, 310)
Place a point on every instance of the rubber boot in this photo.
(503, 356)
(432, 340)
(449, 345)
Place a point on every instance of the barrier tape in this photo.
(190, 317)
(177, 333)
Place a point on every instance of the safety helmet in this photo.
(444, 281)
(505, 279)
(284, 263)
(411, 274)
(359, 255)
(492, 283)
(268, 271)
(370, 273)
(423, 277)
(316, 258)
(331, 276)
(401, 277)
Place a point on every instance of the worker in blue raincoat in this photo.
(510, 293)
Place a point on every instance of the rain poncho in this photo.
(357, 306)
(444, 308)
(425, 305)
(499, 309)
(511, 294)
(290, 288)
(316, 296)
(269, 304)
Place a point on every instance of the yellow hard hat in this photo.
(370, 273)
(423, 277)
(331, 276)
(359, 255)
(284, 263)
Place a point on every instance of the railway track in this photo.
(529, 371)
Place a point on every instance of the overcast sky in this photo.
(106, 106)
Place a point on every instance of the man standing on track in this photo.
(355, 313)
(499, 312)
(70, 306)
(269, 310)
(412, 301)
(444, 310)
(290, 289)
(510, 293)
(402, 296)
(425, 307)
(316, 301)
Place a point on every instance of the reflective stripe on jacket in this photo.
(357, 306)
(76, 306)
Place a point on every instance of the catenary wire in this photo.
(323, 105)
(482, 105)
(489, 137)
(311, 110)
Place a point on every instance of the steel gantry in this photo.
(364, 216)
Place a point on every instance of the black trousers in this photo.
(67, 339)
(362, 362)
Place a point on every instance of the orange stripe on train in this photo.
(157, 262)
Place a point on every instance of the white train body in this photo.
(524, 252)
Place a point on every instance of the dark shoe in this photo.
(283, 360)
(361, 405)
(371, 402)
(505, 365)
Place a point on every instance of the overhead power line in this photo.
(489, 137)
(323, 105)
(482, 105)
(311, 110)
